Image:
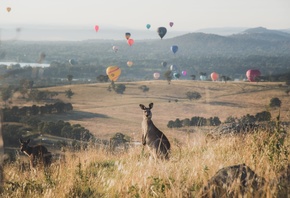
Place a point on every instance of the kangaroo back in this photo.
(152, 136)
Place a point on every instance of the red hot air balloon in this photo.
(214, 76)
(253, 74)
(96, 28)
(130, 42)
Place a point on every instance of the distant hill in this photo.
(232, 55)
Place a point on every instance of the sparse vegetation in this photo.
(92, 169)
(275, 102)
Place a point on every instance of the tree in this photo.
(275, 102)
(6, 93)
(168, 76)
(69, 93)
(70, 78)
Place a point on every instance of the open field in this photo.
(105, 113)
(97, 172)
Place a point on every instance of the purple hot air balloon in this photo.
(171, 24)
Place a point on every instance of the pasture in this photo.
(195, 157)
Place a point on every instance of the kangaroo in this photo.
(152, 136)
(37, 154)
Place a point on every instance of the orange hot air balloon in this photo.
(96, 28)
(8, 9)
(214, 76)
(129, 63)
(113, 72)
(130, 42)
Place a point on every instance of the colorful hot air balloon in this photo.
(130, 42)
(127, 35)
(96, 28)
(8, 9)
(176, 75)
(164, 63)
(129, 63)
(171, 24)
(174, 48)
(214, 76)
(113, 72)
(161, 31)
(253, 74)
(148, 26)
(184, 73)
(156, 75)
(115, 48)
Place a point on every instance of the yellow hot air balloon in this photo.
(113, 72)
(8, 9)
(129, 63)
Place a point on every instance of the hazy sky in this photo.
(187, 15)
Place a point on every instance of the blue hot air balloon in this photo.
(174, 48)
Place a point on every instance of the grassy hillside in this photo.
(104, 113)
(98, 172)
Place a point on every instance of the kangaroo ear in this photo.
(142, 106)
(151, 105)
(20, 140)
(28, 141)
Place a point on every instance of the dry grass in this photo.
(97, 172)
(105, 113)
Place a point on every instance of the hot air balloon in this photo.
(115, 48)
(148, 26)
(113, 72)
(171, 24)
(129, 63)
(174, 48)
(164, 63)
(173, 67)
(96, 28)
(72, 61)
(8, 9)
(161, 31)
(253, 74)
(176, 75)
(202, 76)
(130, 42)
(127, 35)
(156, 75)
(214, 76)
(184, 73)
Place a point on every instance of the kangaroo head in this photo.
(147, 110)
(24, 145)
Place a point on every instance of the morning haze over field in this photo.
(77, 79)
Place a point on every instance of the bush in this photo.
(263, 116)
(275, 102)
(144, 88)
(193, 95)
